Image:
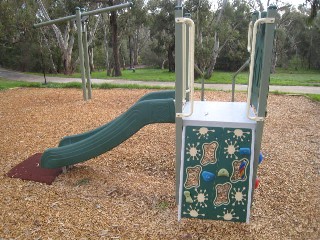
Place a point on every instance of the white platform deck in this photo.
(218, 114)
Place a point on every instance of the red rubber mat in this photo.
(30, 170)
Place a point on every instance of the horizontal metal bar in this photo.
(108, 9)
(58, 20)
(97, 11)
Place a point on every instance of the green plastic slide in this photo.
(78, 137)
(97, 142)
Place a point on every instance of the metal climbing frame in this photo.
(81, 18)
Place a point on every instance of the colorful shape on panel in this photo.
(245, 151)
(227, 216)
(223, 173)
(231, 149)
(238, 196)
(203, 132)
(256, 184)
(222, 194)
(239, 170)
(193, 177)
(188, 197)
(209, 153)
(208, 176)
(239, 134)
(193, 152)
(261, 158)
(201, 198)
(193, 212)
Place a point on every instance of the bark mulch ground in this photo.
(128, 192)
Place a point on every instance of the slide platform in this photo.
(96, 142)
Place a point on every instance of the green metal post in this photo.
(86, 58)
(178, 93)
(79, 27)
(264, 86)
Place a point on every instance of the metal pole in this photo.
(94, 12)
(178, 94)
(50, 22)
(86, 58)
(108, 9)
(179, 3)
(235, 75)
(79, 27)
(187, 15)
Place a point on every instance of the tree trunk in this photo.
(136, 48)
(91, 63)
(65, 41)
(216, 48)
(130, 52)
(213, 60)
(171, 58)
(105, 45)
(274, 57)
(115, 42)
(53, 66)
(67, 66)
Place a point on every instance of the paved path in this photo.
(19, 76)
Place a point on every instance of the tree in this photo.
(162, 29)
(296, 41)
(216, 47)
(220, 36)
(137, 33)
(65, 40)
(315, 7)
(18, 41)
(202, 16)
(115, 41)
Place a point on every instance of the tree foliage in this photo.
(145, 35)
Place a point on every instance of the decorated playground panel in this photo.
(216, 169)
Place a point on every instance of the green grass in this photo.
(7, 84)
(313, 97)
(282, 77)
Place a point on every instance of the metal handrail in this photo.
(190, 23)
(235, 75)
(252, 56)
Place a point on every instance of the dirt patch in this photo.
(128, 193)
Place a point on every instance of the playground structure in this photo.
(81, 18)
(217, 143)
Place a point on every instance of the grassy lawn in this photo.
(7, 84)
(282, 77)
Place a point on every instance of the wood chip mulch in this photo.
(128, 192)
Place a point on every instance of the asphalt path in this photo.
(19, 76)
